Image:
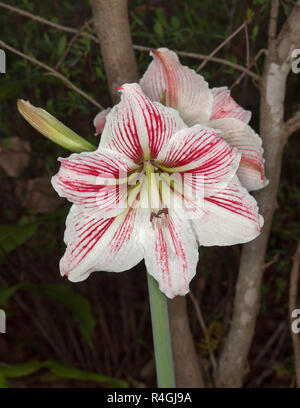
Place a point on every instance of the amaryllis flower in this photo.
(189, 93)
(137, 196)
(100, 120)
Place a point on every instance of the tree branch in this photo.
(136, 47)
(233, 360)
(202, 65)
(260, 52)
(292, 125)
(186, 364)
(273, 22)
(70, 44)
(53, 72)
(293, 293)
(113, 31)
(206, 334)
(45, 21)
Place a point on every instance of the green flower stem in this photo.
(161, 335)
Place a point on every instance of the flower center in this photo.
(153, 196)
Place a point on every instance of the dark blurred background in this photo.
(98, 332)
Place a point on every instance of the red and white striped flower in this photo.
(143, 144)
(189, 93)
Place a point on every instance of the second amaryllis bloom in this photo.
(188, 92)
(154, 189)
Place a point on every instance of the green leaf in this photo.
(158, 29)
(255, 31)
(161, 18)
(59, 370)
(61, 46)
(3, 381)
(100, 73)
(11, 236)
(188, 15)
(6, 293)
(76, 304)
(250, 13)
(175, 22)
(11, 89)
(63, 371)
(20, 369)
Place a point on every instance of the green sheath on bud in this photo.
(53, 129)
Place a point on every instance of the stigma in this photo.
(160, 218)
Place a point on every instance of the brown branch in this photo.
(202, 65)
(113, 31)
(205, 332)
(71, 42)
(293, 294)
(136, 47)
(276, 348)
(233, 360)
(272, 262)
(45, 21)
(273, 23)
(269, 345)
(53, 72)
(292, 125)
(186, 364)
(260, 52)
(247, 46)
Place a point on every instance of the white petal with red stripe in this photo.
(224, 106)
(171, 253)
(249, 144)
(230, 217)
(100, 120)
(107, 244)
(95, 181)
(201, 153)
(186, 91)
(137, 127)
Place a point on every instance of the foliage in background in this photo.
(52, 324)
